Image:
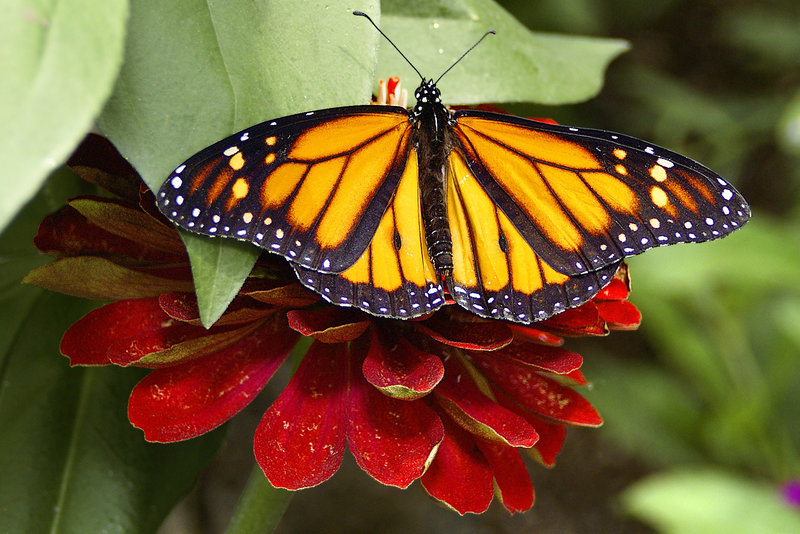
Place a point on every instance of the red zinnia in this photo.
(451, 400)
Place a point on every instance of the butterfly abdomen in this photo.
(432, 150)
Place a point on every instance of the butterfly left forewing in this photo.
(311, 187)
(584, 199)
(496, 272)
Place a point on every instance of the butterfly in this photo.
(388, 209)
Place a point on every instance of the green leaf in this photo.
(197, 71)
(709, 502)
(219, 268)
(60, 60)
(516, 65)
(69, 458)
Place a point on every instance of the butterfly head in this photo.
(427, 94)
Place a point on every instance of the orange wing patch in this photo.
(394, 276)
(496, 273)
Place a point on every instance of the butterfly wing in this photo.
(496, 272)
(312, 187)
(584, 199)
(394, 276)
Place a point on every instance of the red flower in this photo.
(451, 400)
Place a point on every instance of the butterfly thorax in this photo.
(432, 144)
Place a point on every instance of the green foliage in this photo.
(69, 458)
(59, 63)
(709, 502)
(515, 65)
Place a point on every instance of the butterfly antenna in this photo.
(492, 32)
(362, 14)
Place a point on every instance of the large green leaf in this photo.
(516, 65)
(59, 61)
(69, 458)
(197, 71)
(709, 502)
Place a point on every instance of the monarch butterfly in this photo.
(382, 208)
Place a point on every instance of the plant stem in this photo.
(260, 506)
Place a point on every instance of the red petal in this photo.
(617, 289)
(551, 435)
(522, 332)
(291, 295)
(459, 475)
(130, 222)
(183, 306)
(329, 325)
(96, 160)
(551, 439)
(538, 394)
(392, 440)
(473, 410)
(471, 335)
(86, 342)
(581, 321)
(400, 369)
(551, 359)
(188, 400)
(174, 345)
(301, 439)
(68, 233)
(620, 315)
(511, 478)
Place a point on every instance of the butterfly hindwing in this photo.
(394, 276)
(311, 187)
(496, 272)
(585, 199)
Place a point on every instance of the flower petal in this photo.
(399, 369)
(471, 334)
(188, 400)
(459, 476)
(183, 307)
(68, 233)
(550, 359)
(100, 279)
(301, 438)
(97, 161)
(289, 295)
(525, 332)
(551, 439)
(86, 342)
(130, 222)
(173, 343)
(392, 440)
(581, 321)
(512, 481)
(537, 393)
(621, 315)
(617, 289)
(460, 397)
(329, 325)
